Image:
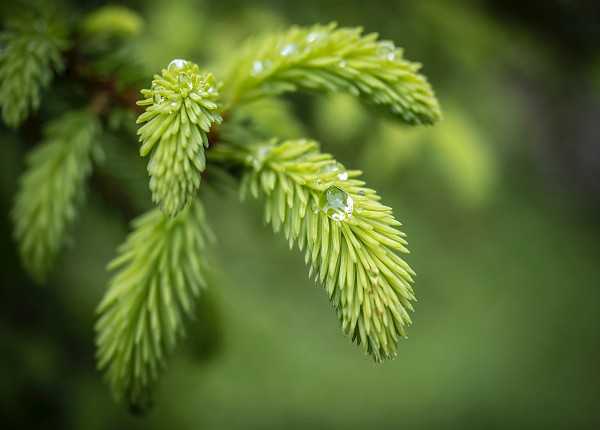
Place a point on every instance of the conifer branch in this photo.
(159, 274)
(51, 189)
(349, 238)
(351, 241)
(30, 52)
(327, 58)
(180, 111)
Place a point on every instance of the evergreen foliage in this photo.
(349, 243)
(350, 240)
(52, 188)
(179, 114)
(327, 58)
(160, 271)
(30, 52)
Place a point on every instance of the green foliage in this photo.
(159, 274)
(179, 113)
(326, 58)
(30, 51)
(350, 240)
(350, 248)
(52, 188)
(112, 22)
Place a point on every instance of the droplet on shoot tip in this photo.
(177, 64)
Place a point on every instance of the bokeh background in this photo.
(501, 204)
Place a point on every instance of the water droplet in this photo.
(318, 182)
(259, 67)
(184, 80)
(387, 50)
(314, 36)
(177, 64)
(335, 167)
(330, 168)
(336, 203)
(157, 98)
(184, 83)
(361, 193)
(342, 64)
(289, 49)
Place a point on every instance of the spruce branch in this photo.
(349, 238)
(350, 241)
(159, 274)
(180, 109)
(327, 58)
(51, 189)
(30, 52)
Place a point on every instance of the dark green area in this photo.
(500, 202)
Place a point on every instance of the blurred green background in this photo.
(501, 204)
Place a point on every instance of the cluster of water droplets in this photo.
(336, 203)
(184, 80)
(288, 50)
(184, 83)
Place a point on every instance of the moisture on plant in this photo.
(196, 127)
